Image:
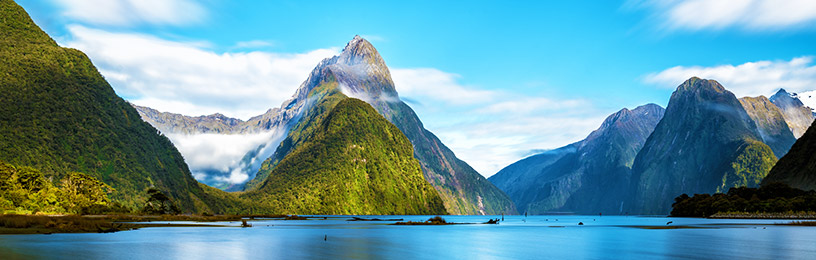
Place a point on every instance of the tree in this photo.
(158, 203)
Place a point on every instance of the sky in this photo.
(496, 81)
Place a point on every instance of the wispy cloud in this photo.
(210, 153)
(133, 12)
(434, 84)
(253, 44)
(747, 79)
(491, 129)
(186, 78)
(721, 14)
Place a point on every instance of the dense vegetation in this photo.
(770, 198)
(798, 167)
(361, 71)
(346, 159)
(25, 190)
(59, 115)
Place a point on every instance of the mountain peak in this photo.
(360, 50)
(783, 99)
(698, 85)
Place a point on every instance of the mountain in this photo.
(350, 161)
(797, 115)
(360, 72)
(59, 115)
(586, 177)
(770, 123)
(215, 123)
(705, 143)
(797, 168)
(249, 142)
(808, 98)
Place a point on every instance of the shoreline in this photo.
(743, 215)
(52, 224)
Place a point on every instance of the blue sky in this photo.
(494, 80)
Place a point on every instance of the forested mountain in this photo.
(59, 115)
(360, 72)
(797, 168)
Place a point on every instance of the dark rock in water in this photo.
(374, 219)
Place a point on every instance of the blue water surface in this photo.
(517, 237)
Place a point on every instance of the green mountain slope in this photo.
(361, 73)
(705, 143)
(797, 168)
(345, 158)
(586, 177)
(770, 123)
(58, 114)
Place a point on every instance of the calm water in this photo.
(538, 237)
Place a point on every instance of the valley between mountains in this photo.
(346, 144)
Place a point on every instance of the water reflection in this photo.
(537, 237)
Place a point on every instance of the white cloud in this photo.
(132, 12)
(747, 79)
(494, 144)
(208, 153)
(186, 78)
(491, 129)
(719, 14)
(253, 44)
(434, 84)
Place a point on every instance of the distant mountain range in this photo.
(586, 177)
(360, 72)
(215, 123)
(346, 144)
(707, 141)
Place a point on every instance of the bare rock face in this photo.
(770, 123)
(586, 177)
(797, 115)
(705, 143)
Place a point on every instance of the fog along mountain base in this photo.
(707, 141)
(326, 152)
(359, 72)
(59, 115)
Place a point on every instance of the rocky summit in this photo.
(705, 143)
(587, 177)
(360, 72)
(797, 115)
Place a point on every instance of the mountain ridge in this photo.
(706, 142)
(361, 73)
(585, 177)
(59, 115)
